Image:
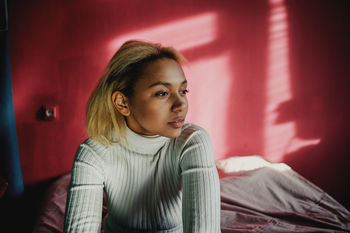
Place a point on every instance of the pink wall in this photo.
(266, 77)
(320, 71)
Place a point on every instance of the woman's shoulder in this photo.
(191, 129)
(194, 147)
(192, 133)
(189, 126)
(91, 148)
(94, 145)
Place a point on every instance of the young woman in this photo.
(156, 170)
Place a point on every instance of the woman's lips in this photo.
(177, 124)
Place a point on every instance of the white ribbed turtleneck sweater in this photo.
(153, 184)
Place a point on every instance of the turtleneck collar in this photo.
(144, 144)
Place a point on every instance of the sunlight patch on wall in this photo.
(186, 33)
(277, 136)
(210, 83)
(280, 138)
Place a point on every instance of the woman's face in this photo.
(159, 104)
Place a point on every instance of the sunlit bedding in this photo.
(256, 196)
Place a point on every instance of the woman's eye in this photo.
(184, 92)
(161, 93)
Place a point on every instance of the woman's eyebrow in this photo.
(164, 83)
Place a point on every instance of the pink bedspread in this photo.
(270, 200)
(261, 200)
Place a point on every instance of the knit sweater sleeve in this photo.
(85, 194)
(200, 184)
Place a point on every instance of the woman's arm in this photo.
(85, 194)
(201, 188)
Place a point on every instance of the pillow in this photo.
(239, 164)
(51, 214)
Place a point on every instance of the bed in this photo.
(256, 196)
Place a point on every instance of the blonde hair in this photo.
(103, 120)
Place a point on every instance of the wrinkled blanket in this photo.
(278, 200)
(260, 200)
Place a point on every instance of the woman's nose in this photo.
(179, 104)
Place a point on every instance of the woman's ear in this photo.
(120, 101)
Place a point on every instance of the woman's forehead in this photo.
(162, 71)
